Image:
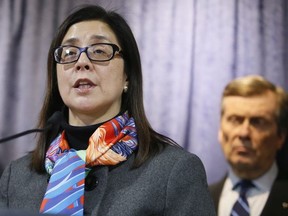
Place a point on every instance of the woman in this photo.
(103, 157)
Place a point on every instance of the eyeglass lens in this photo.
(96, 52)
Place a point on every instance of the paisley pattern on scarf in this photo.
(112, 143)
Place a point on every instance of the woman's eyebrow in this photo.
(71, 41)
(77, 40)
(99, 37)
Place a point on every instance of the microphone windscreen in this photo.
(54, 119)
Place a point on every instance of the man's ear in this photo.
(282, 139)
(220, 135)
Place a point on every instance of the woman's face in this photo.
(91, 90)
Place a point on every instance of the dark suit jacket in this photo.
(277, 203)
(171, 183)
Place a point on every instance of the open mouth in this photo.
(84, 84)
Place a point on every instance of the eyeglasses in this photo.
(99, 52)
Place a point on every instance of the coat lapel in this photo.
(277, 203)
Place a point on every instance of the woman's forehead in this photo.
(89, 31)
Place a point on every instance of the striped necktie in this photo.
(241, 206)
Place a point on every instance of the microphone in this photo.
(53, 120)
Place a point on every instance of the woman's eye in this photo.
(69, 53)
(99, 51)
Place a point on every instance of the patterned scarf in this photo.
(110, 144)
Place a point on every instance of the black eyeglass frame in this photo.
(84, 49)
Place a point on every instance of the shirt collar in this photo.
(263, 183)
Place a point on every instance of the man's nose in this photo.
(244, 128)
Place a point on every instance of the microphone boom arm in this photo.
(22, 134)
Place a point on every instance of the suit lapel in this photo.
(277, 203)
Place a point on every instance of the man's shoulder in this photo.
(217, 186)
(219, 182)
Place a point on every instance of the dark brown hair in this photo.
(150, 142)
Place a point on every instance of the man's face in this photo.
(248, 133)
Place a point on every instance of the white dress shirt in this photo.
(256, 196)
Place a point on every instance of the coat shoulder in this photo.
(174, 154)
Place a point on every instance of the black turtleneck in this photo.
(78, 136)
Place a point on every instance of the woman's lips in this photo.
(84, 85)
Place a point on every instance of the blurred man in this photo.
(253, 128)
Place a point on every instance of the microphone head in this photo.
(54, 119)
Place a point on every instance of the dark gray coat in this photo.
(171, 183)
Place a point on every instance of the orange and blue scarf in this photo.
(112, 143)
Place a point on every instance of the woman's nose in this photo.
(83, 63)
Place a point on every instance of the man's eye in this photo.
(258, 122)
(235, 120)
